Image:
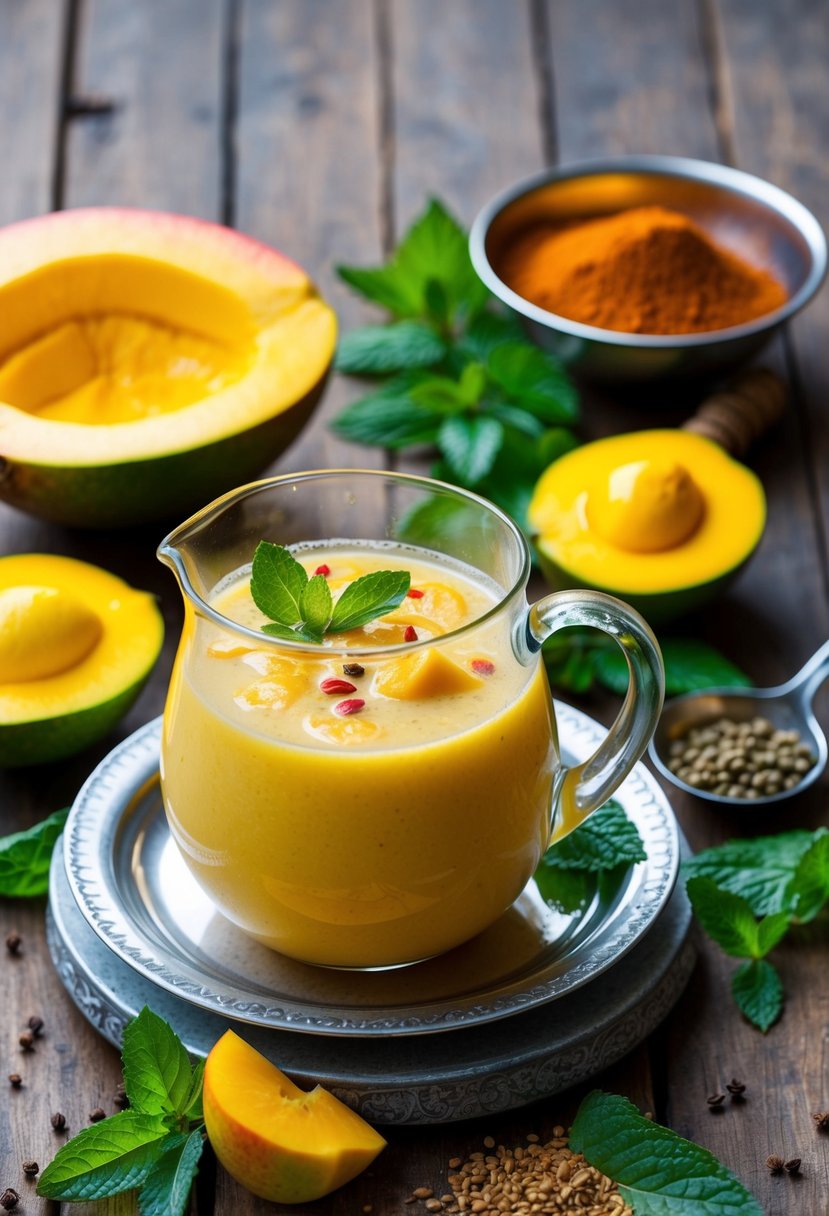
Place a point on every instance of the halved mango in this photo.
(421, 675)
(148, 362)
(277, 1140)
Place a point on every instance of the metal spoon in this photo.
(787, 707)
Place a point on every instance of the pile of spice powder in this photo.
(544, 1179)
(649, 270)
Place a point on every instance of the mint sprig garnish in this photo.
(25, 857)
(747, 895)
(658, 1172)
(463, 378)
(303, 609)
(155, 1145)
(606, 840)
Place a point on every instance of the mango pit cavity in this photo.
(646, 506)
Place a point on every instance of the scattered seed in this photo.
(411, 634)
(27, 1041)
(35, 1024)
(323, 570)
(13, 943)
(96, 1115)
(15, 1080)
(58, 1121)
(737, 1090)
(822, 1120)
(9, 1199)
(715, 1101)
(354, 669)
(337, 688)
(433, 1205)
(423, 1192)
(414, 594)
(792, 1166)
(352, 706)
(120, 1098)
(775, 1164)
(31, 1169)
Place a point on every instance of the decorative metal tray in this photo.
(134, 890)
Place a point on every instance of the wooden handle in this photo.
(742, 412)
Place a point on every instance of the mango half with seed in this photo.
(148, 362)
(662, 519)
(280, 1142)
(76, 646)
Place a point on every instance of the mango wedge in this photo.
(423, 675)
(277, 1140)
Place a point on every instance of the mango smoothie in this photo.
(361, 811)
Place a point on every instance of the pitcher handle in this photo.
(580, 790)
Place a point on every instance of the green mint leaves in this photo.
(302, 608)
(462, 377)
(658, 1172)
(576, 659)
(747, 894)
(25, 857)
(155, 1145)
(606, 840)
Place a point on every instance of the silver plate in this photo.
(133, 888)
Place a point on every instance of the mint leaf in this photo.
(605, 840)
(379, 349)
(534, 380)
(388, 286)
(808, 889)
(469, 446)
(658, 1172)
(760, 869)
(730, 921)
(157, 1072)
(567, 891)
(389, 418)
(25, 857)
(488, 331)
(689, 665)
(435, 250)
(442, 395)
(193, 1102)
(114, 1155)
(277, 582)
(368, 597)
(167, 1188)
(316, 605)
(758, 992)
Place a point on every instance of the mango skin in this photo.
(237, 1079)
(162, 488)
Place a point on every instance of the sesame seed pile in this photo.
(547, 1179)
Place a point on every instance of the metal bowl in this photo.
(752, 218)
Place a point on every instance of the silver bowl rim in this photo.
(735, 181)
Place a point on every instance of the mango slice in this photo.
(425, 674)
(43, 631)
(435, 606)
(280, 1142)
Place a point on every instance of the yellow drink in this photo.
(371, 835)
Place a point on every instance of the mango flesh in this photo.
(278, 1141)
(43, 631)
(424, 674)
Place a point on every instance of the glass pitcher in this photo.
(385, 795)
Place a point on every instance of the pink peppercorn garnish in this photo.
(414, 594)
(411, 634)
(323, 569)
(482, 667)
(335, 687)
(352, 706)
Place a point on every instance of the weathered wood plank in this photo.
(32, 39)
(308, 165)
(770, 67)
(161, 67)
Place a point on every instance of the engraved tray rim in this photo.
(96, 875)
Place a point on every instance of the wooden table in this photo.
(321, 126)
